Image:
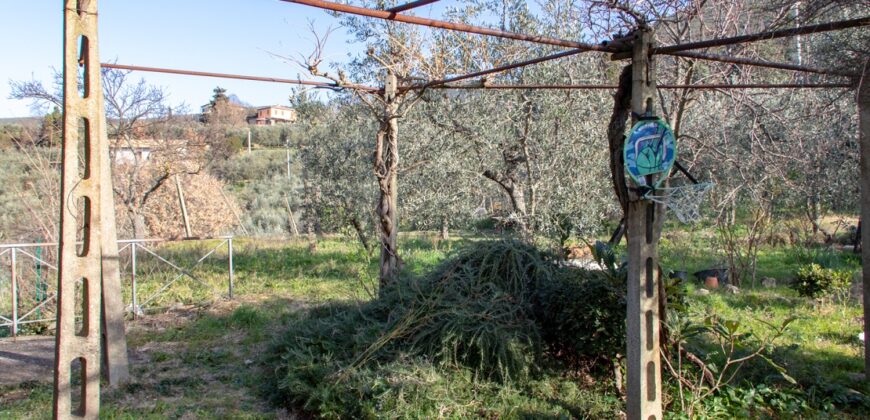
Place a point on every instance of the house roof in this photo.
(275, 106)
(147, 143)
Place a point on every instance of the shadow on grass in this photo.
(842, 338)
(761, 300)
(828, 377)
(208, 365)
(203, 364)
(824, 378)
(321, 363)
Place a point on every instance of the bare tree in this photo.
(395, 54)
(138, 119)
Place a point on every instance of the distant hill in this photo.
(238, 101)
(28, 121)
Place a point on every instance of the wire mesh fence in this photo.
(155, 274)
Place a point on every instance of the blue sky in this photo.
(225, 36)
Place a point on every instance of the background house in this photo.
(273, 115)
(140, 151)
(133, 150)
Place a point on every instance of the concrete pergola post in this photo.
(863, 99)
(116, 368)
(88, 259)
(643, 224)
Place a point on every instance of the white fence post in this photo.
(135, 304)
(230, 261)
(14, 294)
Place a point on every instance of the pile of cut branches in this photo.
(498, 309)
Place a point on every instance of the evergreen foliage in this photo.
(502, 311)
(814, 281)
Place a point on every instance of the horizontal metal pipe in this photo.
(527, 86)
(409, 6)
(120, 241)
(207, 238)
(28, 245)
(755, 62)
(781, 33)
(239, 77)
(499, 69)
(383, 14)
(662, 86)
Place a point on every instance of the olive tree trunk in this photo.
(386, 161)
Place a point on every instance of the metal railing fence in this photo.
(28, 277)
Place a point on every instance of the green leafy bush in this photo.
(582, 314)
(251, 167)
(814, 281)
(751, 400)
(271, 136)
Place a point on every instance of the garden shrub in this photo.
(814, 281)
(251, 167)
(582, 314)
(270, 136)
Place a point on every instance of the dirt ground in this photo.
(31, 358)
(26, 359)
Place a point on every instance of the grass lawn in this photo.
(198, 360)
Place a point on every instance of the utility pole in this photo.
(290, 217)
(288, 160)
(183, 205)
(643, 224)
(249, 140)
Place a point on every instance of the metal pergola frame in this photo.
(643, 376)
(442, 84)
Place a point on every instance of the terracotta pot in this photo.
(719, 273)
(711, 283)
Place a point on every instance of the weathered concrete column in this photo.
(863, 99)
(80, 210)
(116, 368)
(86, 242)
(643, 224)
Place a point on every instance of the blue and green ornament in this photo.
(650, 149)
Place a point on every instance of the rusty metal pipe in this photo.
(781, 33)
(440, 85)
(755, 62)
(662, 86)
(527, 86)
(383, 14)
(409, 6)
(499, 69)
(240, 77)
